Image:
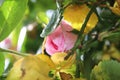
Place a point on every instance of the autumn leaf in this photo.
(46, 59)
(29, 68)
(76, 14)
(116, 8)
(64, 68)
(58, 59)
(65, 76)
(112, 52)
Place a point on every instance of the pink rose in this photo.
(61, 40)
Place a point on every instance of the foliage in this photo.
(7, 11)
(2, 63)
(24, 69)
(30, 29)
(106, 70)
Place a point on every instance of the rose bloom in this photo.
(61, 39)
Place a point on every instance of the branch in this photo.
(81, 33)
(13, 52)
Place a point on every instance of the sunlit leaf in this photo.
(11, 13)
(2, 63)
(42, 17)
(63, 67)
(58, 59)
(76, 14)
(116, 8)
(46, 59)
(29, 68)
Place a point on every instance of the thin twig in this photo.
(13, 52)
(81, 32)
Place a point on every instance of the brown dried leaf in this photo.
(65, 76)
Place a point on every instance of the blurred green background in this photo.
(26, 37)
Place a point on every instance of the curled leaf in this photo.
(52, 25)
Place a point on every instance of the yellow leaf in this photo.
(63, 67)
(76, 14)
(114, 53)
(96, 73)
(116, 8)
(46, 59)
(58, 59)
(29, 68)
(106, 57)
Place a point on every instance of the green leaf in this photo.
(106, 70)
(112, 69)
(59, 3)
(52, 25)
(66, 2)
(111, 36)
(11, 13)
(15, 34)
(2, 63)
(42, 17)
